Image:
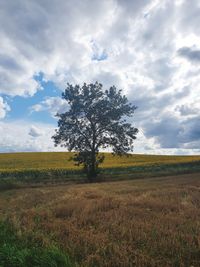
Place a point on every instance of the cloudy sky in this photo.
(148, 48)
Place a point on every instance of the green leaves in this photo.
(95, 120)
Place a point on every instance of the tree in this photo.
(94, 120)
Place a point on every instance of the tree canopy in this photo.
(95, 119)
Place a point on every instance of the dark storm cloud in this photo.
(191, 131)
(187, 110)
(190, 54)
(154, 104)
(170, 132)
(162, 71)
(9, 63)
(165, 131)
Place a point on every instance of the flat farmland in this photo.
(25, 169)
(61, 160)
(143, 222)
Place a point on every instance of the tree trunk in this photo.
(92, 172)
(93, 166)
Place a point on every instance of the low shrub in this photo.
(9, 183)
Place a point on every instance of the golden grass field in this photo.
(145, 223)
(61, 160)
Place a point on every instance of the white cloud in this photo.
(19, 136)
(49, 37)
(53, 105)
(4, 108)
(144, 47)
(15, 137)
(35, 131)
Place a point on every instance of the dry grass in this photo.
(150, 222)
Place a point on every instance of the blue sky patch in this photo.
(20, 106)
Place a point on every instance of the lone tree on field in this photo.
(94, 120)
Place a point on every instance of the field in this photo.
(142, 222)
(61, 160)
(146, 213)
(57, 167)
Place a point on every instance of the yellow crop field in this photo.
(61, 160)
